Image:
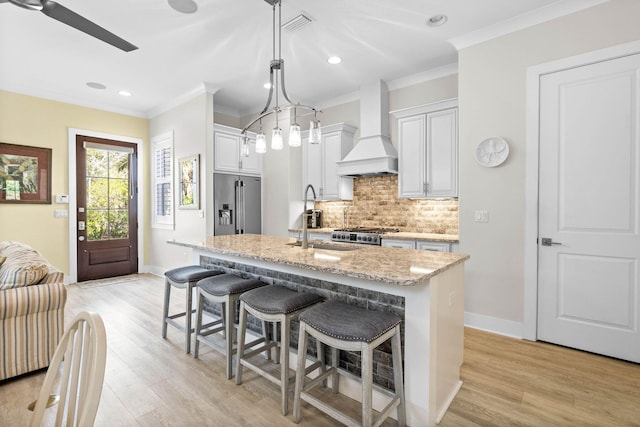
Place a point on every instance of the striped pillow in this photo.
(23, 267)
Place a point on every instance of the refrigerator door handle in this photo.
(237, 204)
(240, 206)
(244, 209)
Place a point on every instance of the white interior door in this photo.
(588, 293)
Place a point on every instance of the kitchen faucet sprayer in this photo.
(305, 237)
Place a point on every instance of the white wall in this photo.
(492, 102)
(192, 126)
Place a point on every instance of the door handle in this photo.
(546, 241)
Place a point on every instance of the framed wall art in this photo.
(189, 174)
(25, 174)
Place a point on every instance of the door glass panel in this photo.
(97, 224)
(107, 184)
(97, 193)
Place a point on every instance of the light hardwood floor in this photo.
(151, 382)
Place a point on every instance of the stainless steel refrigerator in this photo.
(236, 201)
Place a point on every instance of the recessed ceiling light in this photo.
(125, 93)
(183, 6)
(267, 85)
(437, 20)
(95, 85)
(334, 60)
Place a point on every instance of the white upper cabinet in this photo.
(319, 162)
(226, 152)
(428, 150)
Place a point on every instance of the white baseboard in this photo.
(494, 324)
(158, 271)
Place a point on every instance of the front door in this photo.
(588, 242)
(107, 208)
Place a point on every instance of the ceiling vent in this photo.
(296, 23)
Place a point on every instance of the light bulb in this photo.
(315, 133)
(261, 143)
(244, 150)
(294, 135)
(276, 139)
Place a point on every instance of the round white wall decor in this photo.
(492, 152)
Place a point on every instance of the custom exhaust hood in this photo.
(373, 154)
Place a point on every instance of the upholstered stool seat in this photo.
(278, 304)
(224, 289)
(345, 327)
(182, 278)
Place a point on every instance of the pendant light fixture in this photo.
(276, 85)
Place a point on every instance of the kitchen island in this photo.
(426, 288)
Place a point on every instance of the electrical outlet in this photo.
(481, 216)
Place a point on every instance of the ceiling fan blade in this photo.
(69, 17)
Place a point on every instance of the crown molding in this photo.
(59, 97)
(204, 87)
(525, 20)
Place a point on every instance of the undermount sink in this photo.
(327, 246)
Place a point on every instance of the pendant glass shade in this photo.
(244, 150)
(261, 143)
(315, 134)
(295, 140)
(276, 139)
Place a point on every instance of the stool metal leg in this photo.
(228, 332)
(335, 377)
(165, 307)
(242, 330)
(198, 323)
(188, 317)
(284, 363)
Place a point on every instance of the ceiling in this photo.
(227, 45)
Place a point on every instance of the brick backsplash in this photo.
(376, 204)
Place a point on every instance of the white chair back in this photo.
(83, 348)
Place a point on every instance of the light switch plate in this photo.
(481, 216)
(61, 213)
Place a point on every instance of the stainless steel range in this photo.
(363, 235)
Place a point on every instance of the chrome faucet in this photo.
(305, 215)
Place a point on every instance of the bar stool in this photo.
(224, 289)
(182, 278)
(272, 303)
(346, 327)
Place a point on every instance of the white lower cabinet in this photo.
(423, 245)
(311, 235)
(400, 244)
(433, 246)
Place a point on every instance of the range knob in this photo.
(369, 238)
(359, 237)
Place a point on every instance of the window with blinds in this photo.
(162, 161)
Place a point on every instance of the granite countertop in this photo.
(402, 267)
(402, 235)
